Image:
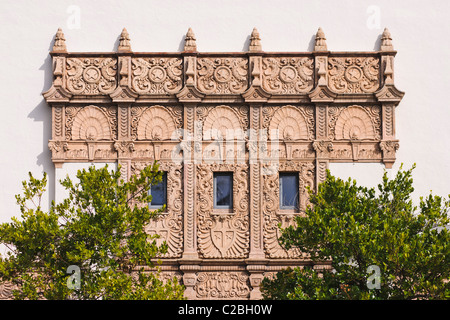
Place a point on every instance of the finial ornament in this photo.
(190, 41)
(255, 41)
(60, 42)
(386, 41)
(124, 41)
(321, 44)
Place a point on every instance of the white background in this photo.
(420, 32)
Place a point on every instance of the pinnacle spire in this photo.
(124, 41)
(60, 42)
(190, 41)
(320, 44)
(386, 41)
(255, 41)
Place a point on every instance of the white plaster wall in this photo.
(419, 29)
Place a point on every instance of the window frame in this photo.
(164, 182)
(215, 205)
(297, 180)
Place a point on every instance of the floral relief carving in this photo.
(222, 75)
(355, 123)
(89, 76)
(223, 235)
(157, 75)
(222, 285)
(288, 75)
(353, 75)
(273, 216)
(168, 225)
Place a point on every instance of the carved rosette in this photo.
(91, 76)
(222, 285)
(157, 75)
(168, 225)
(355, 123)
(222, 75)
(288, 75)
(353, 75)
(223, 235)
(273, 216)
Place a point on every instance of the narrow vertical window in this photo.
(223, 190)
(289, 197)
(159, 193)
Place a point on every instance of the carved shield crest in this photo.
(222, 236)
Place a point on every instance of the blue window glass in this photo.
(159, 193)
(289, 190)
(223, 190)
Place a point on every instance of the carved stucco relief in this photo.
(157, 75)
(222, 285)
(272, 213)
(223, 235)
(222, 75)
(308, 109)
(289, 122)
(156, 122)
(91, 76)
(169, 224)
(355, 123)
(353, 75)
(289, 75)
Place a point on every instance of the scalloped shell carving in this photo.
(156, 123)
(354, 123)
(288, 123)
(90, 123)
(219, 121)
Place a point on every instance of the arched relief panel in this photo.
(169, 224)
(223, 122)
(91, 123)
(273, 215)
(291, 123)
(355, 122)
(156, 123)
(223, 235)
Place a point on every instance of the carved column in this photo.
(256, 239)
(256, 97)
(190, 97)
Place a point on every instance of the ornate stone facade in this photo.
(252, 114)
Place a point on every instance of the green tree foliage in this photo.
(98, 228)
(354, 228)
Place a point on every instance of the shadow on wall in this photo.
(43, 113)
